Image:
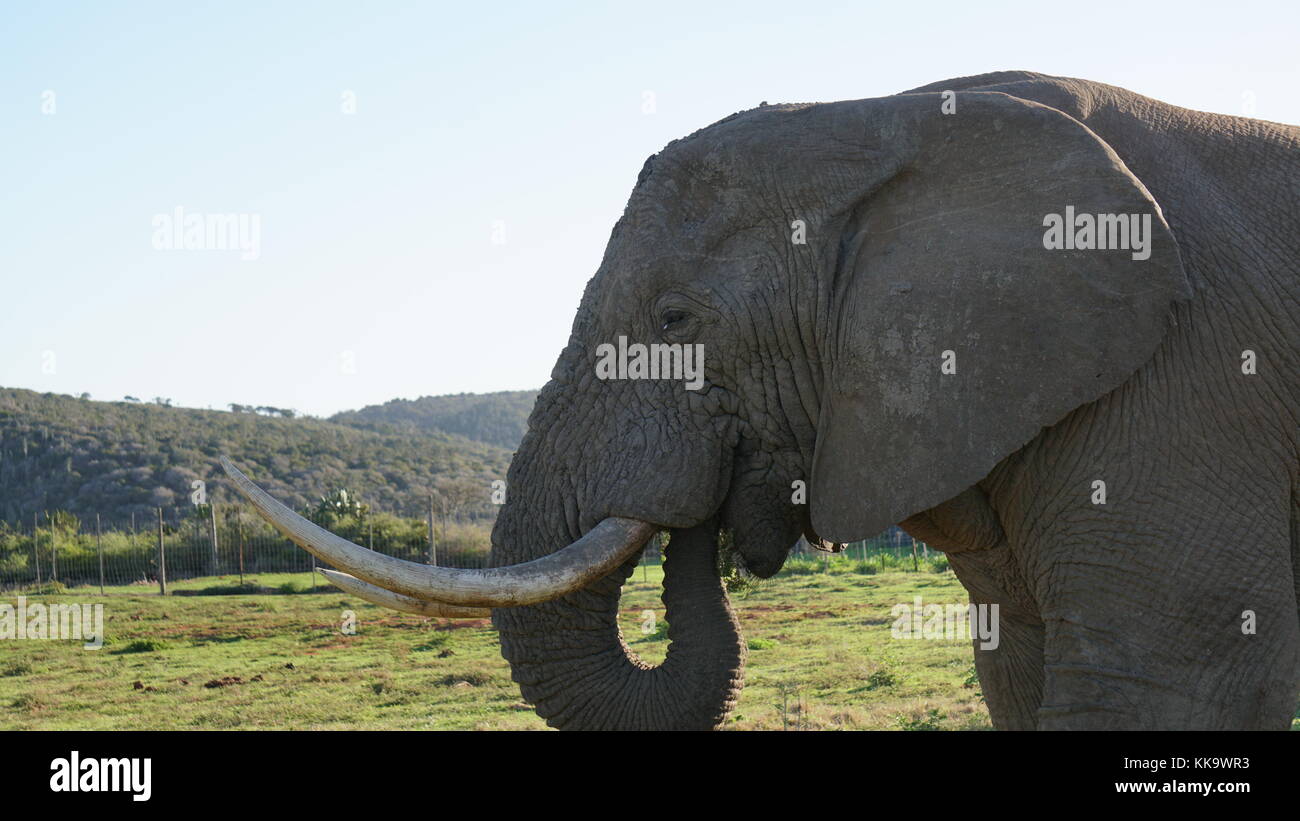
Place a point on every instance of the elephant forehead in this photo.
(675, 224)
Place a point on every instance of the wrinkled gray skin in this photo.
(924, 234)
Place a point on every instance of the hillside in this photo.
(123, 458)
(495, 418)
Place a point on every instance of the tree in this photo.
(452, 497)
(62, 521)
(339, 504)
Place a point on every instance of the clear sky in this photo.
(381, 270)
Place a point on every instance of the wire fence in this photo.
(894, 550)
(229, 540)
(66, 554)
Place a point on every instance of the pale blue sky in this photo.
(376, 228)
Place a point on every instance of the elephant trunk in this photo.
(571, 662)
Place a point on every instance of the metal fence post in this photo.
(99, 547)
(212, 515)
(162, 558)
(54, 552)
(36, 555)
(433, 546)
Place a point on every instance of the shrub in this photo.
(225, 590)
(19, 669)
(47, 589)
(881, 677)
(932, 719)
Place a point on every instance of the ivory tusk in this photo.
(603, 548)
(396, 601)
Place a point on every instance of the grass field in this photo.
(821, 657)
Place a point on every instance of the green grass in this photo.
(821, 656)
(253, 583)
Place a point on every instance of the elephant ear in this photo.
(945, 263)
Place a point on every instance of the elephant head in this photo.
(828, 260)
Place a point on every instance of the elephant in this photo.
(1046, 325)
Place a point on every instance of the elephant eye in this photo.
(673, 317)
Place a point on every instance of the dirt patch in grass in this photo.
(28, 702)
(224, 681)
(337, 645)
(461, 624)
(471, 678)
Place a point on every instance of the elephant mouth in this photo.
(753, 564)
